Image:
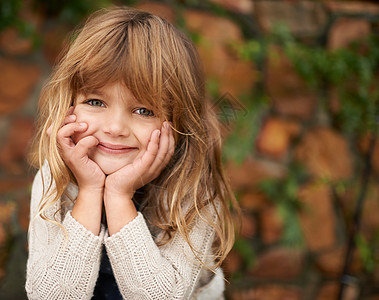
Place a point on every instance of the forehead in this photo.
(112, 90)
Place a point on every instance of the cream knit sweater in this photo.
(61, 268)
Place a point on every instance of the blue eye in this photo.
(144, 112)
(95, 102)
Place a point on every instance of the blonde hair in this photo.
(161, 67)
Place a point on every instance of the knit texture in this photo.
(67, 267)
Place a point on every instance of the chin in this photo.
(108, 170)
(110, 166)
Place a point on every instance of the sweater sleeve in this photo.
(61, 264)
(145, 271)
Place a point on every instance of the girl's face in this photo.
(121, 124)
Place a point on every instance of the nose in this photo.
(116, 123)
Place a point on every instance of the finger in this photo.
(69, 119)
(152, 149)
(163, 148)
(82, 147)
(69, 129)
(70, 111)
(166, 150)
(49, 130)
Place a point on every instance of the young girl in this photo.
(130, 200)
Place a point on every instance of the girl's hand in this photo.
(124, 182)
(87, 173)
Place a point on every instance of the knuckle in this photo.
(60, 134)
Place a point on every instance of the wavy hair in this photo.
(161, 67)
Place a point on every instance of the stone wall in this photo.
(292, 127)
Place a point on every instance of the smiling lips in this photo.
(115, 149)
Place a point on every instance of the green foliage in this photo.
(352, 71)
(72, 11)
(284, 192)
(9, 17)
(246, 250)
(9, 10)
(244, 128)
(366, 251)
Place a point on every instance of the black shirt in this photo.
(106, 286)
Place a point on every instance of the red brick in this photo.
(266, 292)
(251, 172)
(54, 42)
(6, 212)
(23, 212)
(370, 221)
(317, 218)
(159, 9)
(241, 6)
(352, 7)
(326, 154)
(334, 102)
(232, 263)
(9, 185)
(331, 262)
(279, 264)
(17, 80)
(253, 201)
(329, 291)
(221, 63)
(248, 226)
(275, 137)
(303, 18)
(289, 94)
(347, 30)
(271, 224)
(14, 151)
(11, 42)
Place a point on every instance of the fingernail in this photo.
(82, 124)
(169, 128)
(159, 133)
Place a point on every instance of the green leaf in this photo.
(246, 250)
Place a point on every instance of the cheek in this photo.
(85, 118)
(144, 134)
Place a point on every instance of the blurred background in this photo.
(295, 85)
